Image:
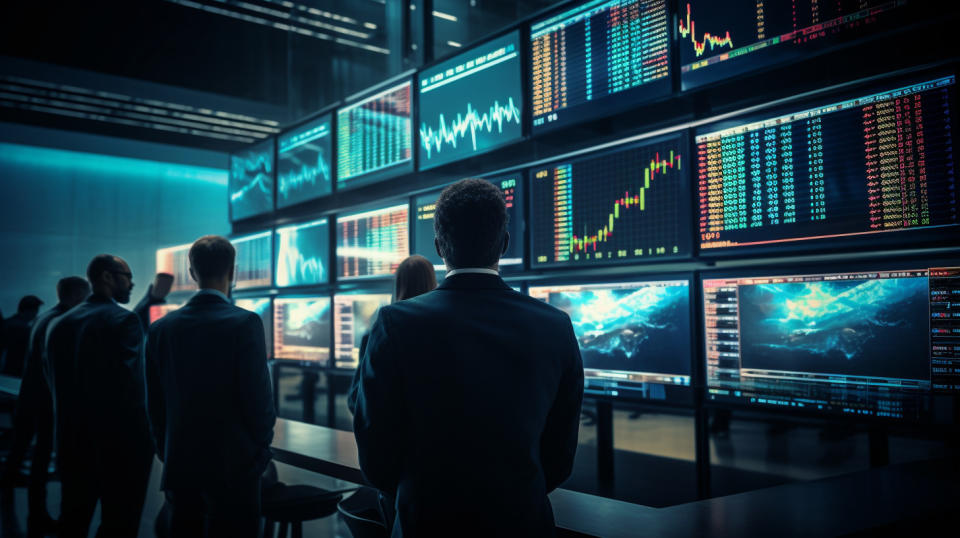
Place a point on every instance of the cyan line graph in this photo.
(295, 268)
(259, 167)
(306, 175)
(473, 122)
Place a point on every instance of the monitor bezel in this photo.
(276, 253)
(272, 141)
(306, 364)
(365, 208)
(331, 111)
(247, 236)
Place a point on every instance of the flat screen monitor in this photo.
(631, 334)
(301, 329)
(254, 260)
(176, 261)
(262, 307)
(877, 168)
(304, 162)
(372, 243)
(471, 103)
(303, 254)
(870, 343)
(251, 181)
(626, 205)
(353, 315)
(426, 205)
(157, 311)
(374, 137)
(724, 39)
(596, 58)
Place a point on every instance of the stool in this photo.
(361, 513)
(290, 506)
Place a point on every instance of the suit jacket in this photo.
(467, 409)
(95, 352)
(211, 399)
(16, 338)
(35, 387)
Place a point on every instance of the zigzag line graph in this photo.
(306, 175)
(260, 165)
(472, 122)
(700, 46)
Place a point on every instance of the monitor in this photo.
(724, 39)
(353, 315)
(176, 261)
(426, 204)
(374, 137)
(303, 254)
(631, 334)
(157, 311)
(260, 306)
(869, 343)
(372, 243)
(597, 57)
(254, 261)
(301, 329)
(876, 167)
(626, 205)
(251, 181)
(304, 165)
(471, 103)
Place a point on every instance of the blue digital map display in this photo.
(261, 307)
(863, 327)
(302, 254)
(303, 162)
(251, 181)
(471, 103)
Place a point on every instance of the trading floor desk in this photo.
(842, 505)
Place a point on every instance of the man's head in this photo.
(72, 290)
(212, 259)
(110, 276)
(28, 306)
(471, 224)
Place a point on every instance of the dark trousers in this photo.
(116, 478)
(228, 511)
(33, 416)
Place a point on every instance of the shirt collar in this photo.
(210, 291)
(478, 270)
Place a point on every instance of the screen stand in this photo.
(879, 447)
(605, 447)
(309, 391)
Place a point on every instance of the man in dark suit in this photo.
(104, 447)
(16, 335)
(468, 399)
(34, 414)
(211, 402)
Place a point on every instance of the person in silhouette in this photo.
(104, 446)
(16, 335)
(468, 397)
(211, 402)
(34, 414)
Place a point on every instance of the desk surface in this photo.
(10, 385)
(833, 506)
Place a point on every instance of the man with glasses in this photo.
(104, 446)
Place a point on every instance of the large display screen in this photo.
(353, 315)
(372, 243)
(598, 57)
(301, 329)
(881, 164)
(176, 261)
(261, 307)
(870, 343)
(625, 205)
(158, 311)
(723, 39)
(254, 261)
(471, 103)
(303, 257)
(374, 137)
(251, 181)
(426, 206)
(630, 333)
(304, 162)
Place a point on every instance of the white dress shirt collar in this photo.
(477, 270)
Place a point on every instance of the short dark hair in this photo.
(415, 276)
(212, 256)
(70, 286)
(29, 302)
(101, 263)
(470, 222)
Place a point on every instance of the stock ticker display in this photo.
(374, 137)
(863, 343)
(626, 205)
(724, 39)
(176, 261)
(598, 57)
(630, 333)
(471, 103)
(304, 170)
(251, 181)
(876, 164)
(261, 307)
(302, 254)
(254, 261)
(301, 329)
(426, 206)
(372, 243)
(353, 315)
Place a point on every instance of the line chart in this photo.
(699, 47)
(472, 122)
